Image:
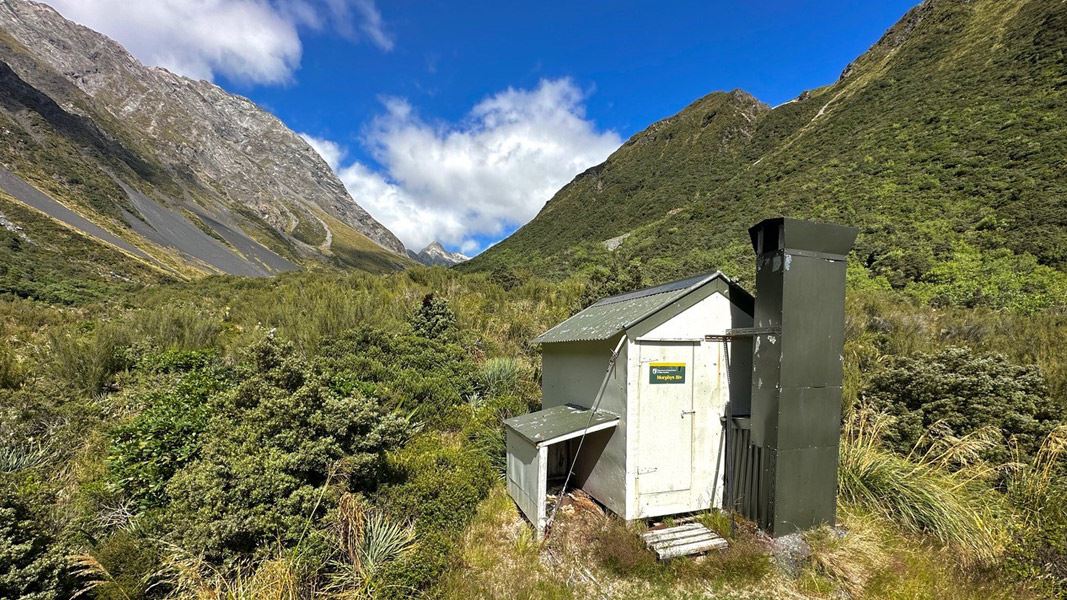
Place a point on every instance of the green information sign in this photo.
(666, 372)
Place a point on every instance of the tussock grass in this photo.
(942, 492)
(12, 372)
(87, 363)
(15, 457)
(1033, 485)
(186, 576)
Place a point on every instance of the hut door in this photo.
(665, 408)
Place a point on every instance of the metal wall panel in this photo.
(797, 370)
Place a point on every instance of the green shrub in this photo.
(506, 277)
(31, 559)
(996, 279)
(439, 488)
(278, 450)
(146, 452)
(434, 319)
(965, 392)
(609, 281)
(177, 361)
(419, 375)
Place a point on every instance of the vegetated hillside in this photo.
(945, 143)
(194, 179)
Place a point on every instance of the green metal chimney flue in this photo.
(797, 369)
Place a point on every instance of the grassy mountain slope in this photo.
(949, 135)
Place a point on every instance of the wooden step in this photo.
(682, 540)
(657, 534)
(715, 543)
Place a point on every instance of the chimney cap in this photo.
(784, 233)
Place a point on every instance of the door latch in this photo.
(688, 412)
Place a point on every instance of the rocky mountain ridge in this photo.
(144, 153)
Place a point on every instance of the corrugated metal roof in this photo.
(558, 421)
(610, 316)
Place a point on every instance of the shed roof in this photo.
(560, 423)
(612, 315)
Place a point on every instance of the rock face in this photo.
(435, 255)
(205, 154)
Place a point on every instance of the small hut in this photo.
(693, 395)
(644, 380)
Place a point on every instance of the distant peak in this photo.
(434, 254)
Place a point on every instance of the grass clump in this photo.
(620, 549)
(942, 492)
(499, 375)
(851, 557)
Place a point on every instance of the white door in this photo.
(665, 409)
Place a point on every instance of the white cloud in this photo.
(257, 41)
(475, 179)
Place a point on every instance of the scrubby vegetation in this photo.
(339, 435)
(329, 434)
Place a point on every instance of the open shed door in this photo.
(665, 428)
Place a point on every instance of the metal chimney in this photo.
(796, 359)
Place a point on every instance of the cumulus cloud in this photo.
(256, 41)
(462, 182)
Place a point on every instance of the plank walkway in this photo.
(682, 540)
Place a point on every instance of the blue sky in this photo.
(457, 121)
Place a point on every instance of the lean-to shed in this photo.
(655, 443)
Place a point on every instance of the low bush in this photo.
(611, 280)
(414, 374)
(278, 450)
(439, 486)
(147, 451)
(32, 561)
(434, 319)
(965, 392)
